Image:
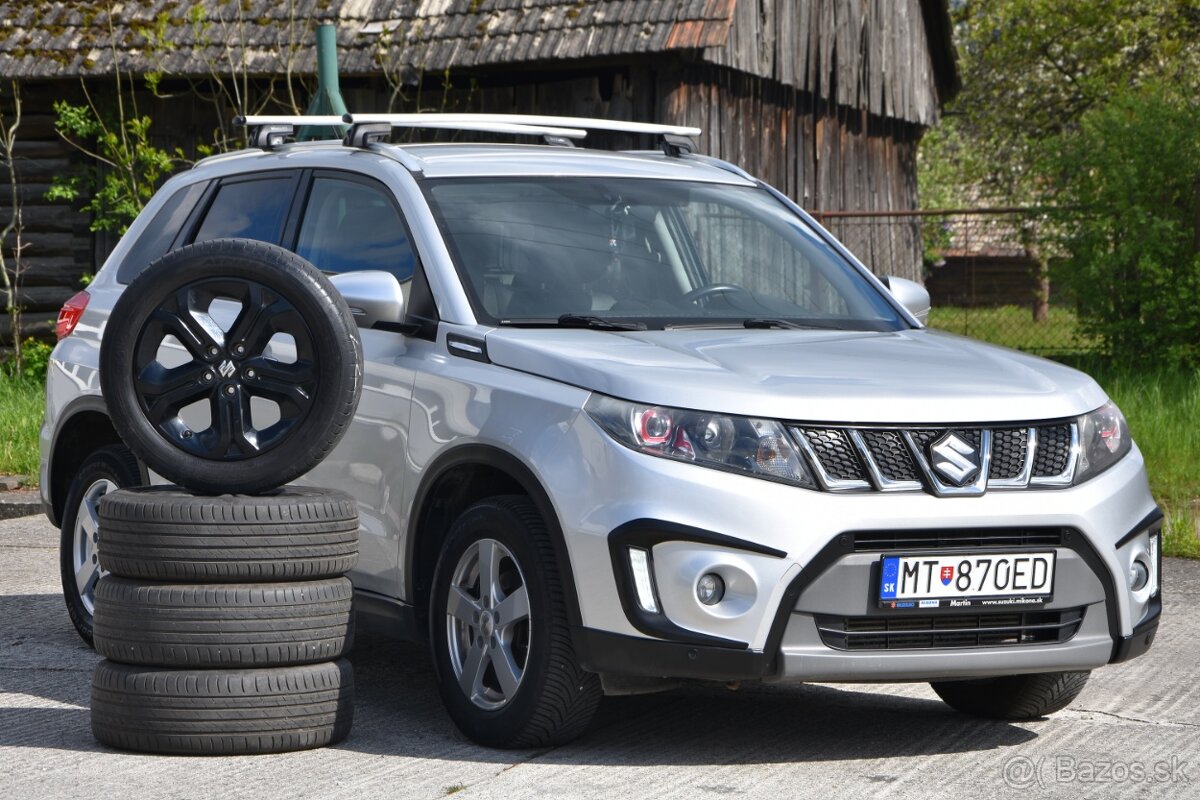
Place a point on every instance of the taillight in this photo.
(68, 316)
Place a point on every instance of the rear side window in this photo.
(157, 237)
(351, 225)
(252, 209)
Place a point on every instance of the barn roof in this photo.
(892, 57)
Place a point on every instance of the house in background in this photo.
(986, 262)
(825, 99)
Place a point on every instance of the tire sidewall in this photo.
(335, 342)
(168, 534)
(489, 520)
(105, 463)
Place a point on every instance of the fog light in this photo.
(1139, 576)
(710, 589)
(639, 562)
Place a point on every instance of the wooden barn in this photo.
(825, 99)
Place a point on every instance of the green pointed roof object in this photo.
(327, 100)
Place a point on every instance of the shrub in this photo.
(1130, 224)
(35, 357)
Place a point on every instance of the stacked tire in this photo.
(225, 612)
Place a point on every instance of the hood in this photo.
(905, 377)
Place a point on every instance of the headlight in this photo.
(1103, 441)
(756, 447)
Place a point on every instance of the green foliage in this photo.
(1129, 181)
(1032, 68)
(1087, 110)
(127, 169)
(35, 359)
(21, 402)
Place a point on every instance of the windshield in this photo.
(646, 254)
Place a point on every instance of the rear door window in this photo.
(353, 224)
(255, 208)
(157, 237)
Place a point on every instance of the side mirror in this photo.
(373, 296)
(911, 295)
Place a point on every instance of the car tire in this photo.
(552, 699)
(222, 625)
(106, 470)
(222, 711)
(225, 370)
(164, 533)
(1013, 697)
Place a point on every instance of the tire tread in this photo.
(225, 625)
(222, 711)
(166, 533)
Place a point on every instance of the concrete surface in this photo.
(19, 503)
(824, 741)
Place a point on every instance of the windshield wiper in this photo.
(598, 323)
(759, 322)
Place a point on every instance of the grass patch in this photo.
(1013, 326)
(21, 401)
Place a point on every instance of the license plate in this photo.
(962, 580)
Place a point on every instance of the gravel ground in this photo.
(1135, 731)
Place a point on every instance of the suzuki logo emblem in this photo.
(955, 459)
(227, 369)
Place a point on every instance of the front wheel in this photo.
(106, 470)
(1013, 697)
(501, 642)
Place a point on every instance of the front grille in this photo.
(891, 455)
(1009, 448)
(949, 630)
(835, 453)
(1054, 451)
(902, 459)
(890, 541)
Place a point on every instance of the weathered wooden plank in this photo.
(43, 169)
(826, 30)
(36, 244)
(47, 218)
(43, 298)
(54, 271)
(39, 325)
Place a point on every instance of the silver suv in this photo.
(634, 417)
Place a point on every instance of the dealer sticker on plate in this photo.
(960, 580)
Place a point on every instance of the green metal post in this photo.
(327, 100)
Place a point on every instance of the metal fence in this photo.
(982, 269)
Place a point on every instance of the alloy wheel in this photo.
(85, 556)
(487, 622)
(225, 368)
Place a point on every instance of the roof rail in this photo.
(270, 130)
(527, 120)
(431, 121)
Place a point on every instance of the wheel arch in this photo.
(456, 480)
(84, 427)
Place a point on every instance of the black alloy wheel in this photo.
(231, 366)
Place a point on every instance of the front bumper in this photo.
(799, 553)
(796, 650)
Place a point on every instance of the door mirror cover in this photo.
(373, 296)
(910, 294)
